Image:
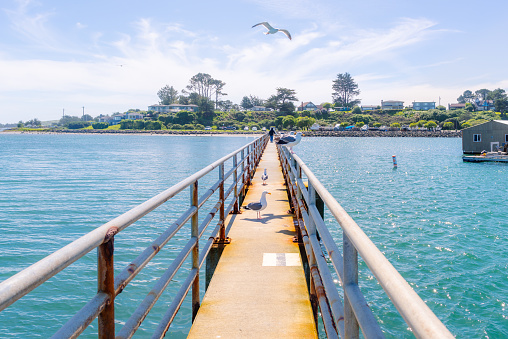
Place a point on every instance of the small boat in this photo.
(487, 157)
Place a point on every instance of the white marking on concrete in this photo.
(281, 259)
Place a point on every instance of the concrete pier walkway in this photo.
(259, 288)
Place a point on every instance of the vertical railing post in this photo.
(195, 250)
(248, 166)
(244, 182)
(236, 206)
(106, 284)
(350, 253)
(311, 231)
(222, 219)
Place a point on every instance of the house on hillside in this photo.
(485, 137)
(392, 104)
(116, 118)
(423, 105)
(134, 116)
(173, 108)
(106, 118)
(484, 105)
(307, 106)
(368, 107)
(258, 109)
(456, 106)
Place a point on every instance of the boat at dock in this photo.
(487, 157)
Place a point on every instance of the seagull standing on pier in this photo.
(258, 206)
(272, 30)
(264, 177)
(290, 140)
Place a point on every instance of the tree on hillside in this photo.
(466, 97)
(344, 90)
(217, 87)
(496, 94)
(167, 95)
(482, 94)
(283, 100)
(183, 100)
(202, 84)
(246, 103)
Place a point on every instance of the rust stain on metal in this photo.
(156, 248)
(110, 233)
(132, 268)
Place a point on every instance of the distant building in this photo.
(456, 106)
(368, 107)
(392, 104)
(484, 105)
(106, 118)
(423, 105)
(307, 106)
(485, 137)
(173, 108)
(134, 116)
(258, 108)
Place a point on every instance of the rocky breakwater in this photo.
(389, 134)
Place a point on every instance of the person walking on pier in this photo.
(271, 133)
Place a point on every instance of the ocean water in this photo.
(441, 222)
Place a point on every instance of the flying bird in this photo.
(258, 206)
(272, 30)
(264, 177)
(290, 140)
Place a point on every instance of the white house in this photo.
(258, 108)
(173, 108)
(392, 104)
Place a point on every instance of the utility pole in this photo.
(63, 112)
(83, 112)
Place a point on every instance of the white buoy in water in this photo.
(394, 158)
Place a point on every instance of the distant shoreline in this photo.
(389, 134)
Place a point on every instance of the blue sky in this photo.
(109, 56)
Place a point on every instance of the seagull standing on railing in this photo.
(272, 30)
(290, 140)
(264, 177)
(258, 206)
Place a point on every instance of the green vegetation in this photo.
(206, 93)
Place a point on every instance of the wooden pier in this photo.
(259, 289)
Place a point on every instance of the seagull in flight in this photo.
(290, 140)
(258, 206)
(272, 30)
(264, 177)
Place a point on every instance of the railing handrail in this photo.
(420, 318)
(28, 279)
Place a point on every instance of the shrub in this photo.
(200, 127)
(176, 126)
(448, 125)
(395, 125)
(139, 124)
(188, 126)
(356, 110)
(100, 125)
(78, 124)
(153, 125)
(126, 124)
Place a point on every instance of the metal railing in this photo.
(102, 305)
(345, 319)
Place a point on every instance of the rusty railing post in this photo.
(195, 250)
(222, 220)
(106, 284)
(236, 207)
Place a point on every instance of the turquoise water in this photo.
(441, 222)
